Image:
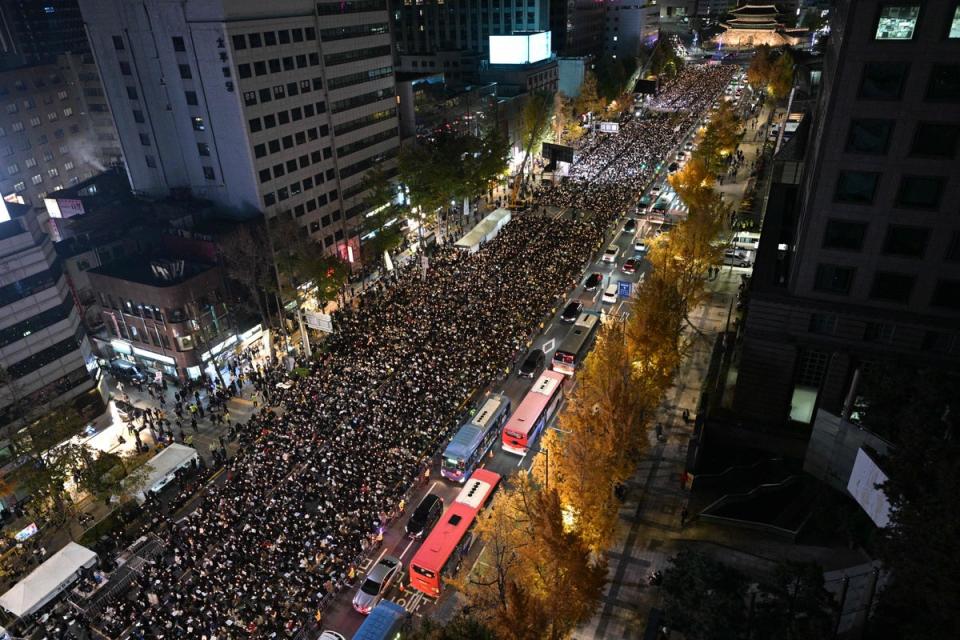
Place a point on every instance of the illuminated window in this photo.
(897, 22)
(955, 24)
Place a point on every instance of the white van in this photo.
(746, 240)
(610, 294)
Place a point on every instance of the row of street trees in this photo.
(547, 533)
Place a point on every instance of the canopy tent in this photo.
(46, 581)
(163, 467)
(486, 230)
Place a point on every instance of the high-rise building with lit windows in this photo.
(865, 265)
(45, 356)
(268, 106)
(453, 36)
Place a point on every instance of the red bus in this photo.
(447, 545)
(534, 412)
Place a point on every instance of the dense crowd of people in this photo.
(324, 466)
(611, 168)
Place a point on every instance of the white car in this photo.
(610, 255)
(609, 294)
(640, 247)
(331, 635)
(655, 190)
(736, 259)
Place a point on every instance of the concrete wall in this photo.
(833, 448)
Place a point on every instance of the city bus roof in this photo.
(458, 517)
(534, 402)
(471, 433)
(464, 441)
(489, 409)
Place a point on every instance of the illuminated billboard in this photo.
(520, 48)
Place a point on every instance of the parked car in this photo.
(376, 584)
(592, 282)
(640, 247)
(672, 167)
(610, 255)
(331, 635)
(424, 516)
(655, 190)
(630, 266)
(610, 294)
(630, 226)
(127, 371)
(571, 311)
(533, 364)
(735, 258)
(125, 409)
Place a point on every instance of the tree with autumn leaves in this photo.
(537, 579)
(719, 138)
(547, 532)
(771, 72)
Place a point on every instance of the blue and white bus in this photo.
(474, 438)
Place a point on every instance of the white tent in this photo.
(163, 467)
(49, 579)
(486, 230)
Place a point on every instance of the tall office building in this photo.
(37, 31)
(577, 27)
(631, 25)
(423, 30)
(43, 345)
(268, 106)
(867, 268)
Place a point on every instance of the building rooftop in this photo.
(153, 270)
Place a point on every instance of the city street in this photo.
(340, 615)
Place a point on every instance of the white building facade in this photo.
(268, 106)
(44, 349)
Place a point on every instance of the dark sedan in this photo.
(571, 312)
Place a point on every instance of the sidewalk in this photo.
(650, 516)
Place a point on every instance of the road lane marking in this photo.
(379, 558)
(405, 549)
(549, 345)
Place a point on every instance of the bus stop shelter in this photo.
(48, 580)
(485, 231)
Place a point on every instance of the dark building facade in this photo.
(866, 264)
(431, 27)
(36, 31)
(577, 27)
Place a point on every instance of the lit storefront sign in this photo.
(149, 355)
(121, 347)
(232, 340)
